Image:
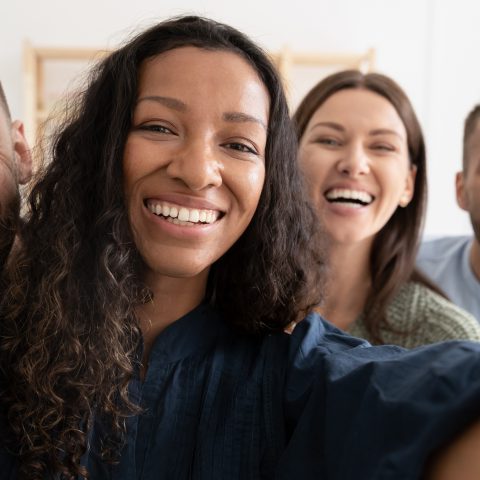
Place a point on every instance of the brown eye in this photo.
(157, 128)
(384, 147)
(328, 142)
(240, 147)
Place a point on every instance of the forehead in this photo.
(359, 108)
(210, 79)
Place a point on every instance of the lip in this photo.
(188, 201)
(159, 225)
(345, 210)
(348, 186)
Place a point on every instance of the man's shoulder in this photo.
(442, 248)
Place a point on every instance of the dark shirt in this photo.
(314, 405)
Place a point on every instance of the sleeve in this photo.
(359, 412)
(446, 321)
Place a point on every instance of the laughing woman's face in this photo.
(194, 161)
(354, 154)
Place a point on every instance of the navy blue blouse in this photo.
(316, 404)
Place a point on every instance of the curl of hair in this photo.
(392, 260)
(70, 337)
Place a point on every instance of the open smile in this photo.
(181, 215)
(349, 197)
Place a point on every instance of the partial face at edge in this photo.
(194, 161)
(354, 154)
(15, 169)
(468, 182)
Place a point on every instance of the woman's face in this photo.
(194, 161)
(354, 155)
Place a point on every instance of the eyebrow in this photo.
(175, 104)
(333, 125)
(386, 131)
(377, 131)
(242, 117)
(168, 102)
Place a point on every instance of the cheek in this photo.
(472, 189)
(395, 176)
(256, 181)
(249, 185)
(135, 166)
(314, 173)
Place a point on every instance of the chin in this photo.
(351, 238)
(176, 268)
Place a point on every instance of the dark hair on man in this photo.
(70, 330)
(471, 123)
(392, 262)
(3, 101)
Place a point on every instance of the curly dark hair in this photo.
(69, 338)
(392, 261)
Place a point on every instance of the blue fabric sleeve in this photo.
(376, 412)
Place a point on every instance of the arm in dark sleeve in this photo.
(359, 412)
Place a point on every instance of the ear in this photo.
(23, 155)
(462, 199)
(409, 190)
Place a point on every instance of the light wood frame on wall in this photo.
(36, 111)
(34, 59)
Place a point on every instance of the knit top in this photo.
(419, 316)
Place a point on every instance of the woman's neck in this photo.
(172, 299)
(349, 283)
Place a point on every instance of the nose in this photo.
(354, 161)
(196, 165)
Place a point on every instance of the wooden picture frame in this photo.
(299, 72)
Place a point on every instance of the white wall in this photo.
(428, 46)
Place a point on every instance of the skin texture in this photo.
(460, 460)
(198, 140)
(357, 141)
(15, 169)
(468, 193)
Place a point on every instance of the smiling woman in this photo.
(363, 154)
(194, 168)
(163, 194)
(158, 321)
(189, 153)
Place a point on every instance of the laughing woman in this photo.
(167, 253)
(363, 154)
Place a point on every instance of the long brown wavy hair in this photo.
(392, 259)
(69, 335)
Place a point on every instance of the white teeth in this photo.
(346, 194)
(182, 215)
(194, 216)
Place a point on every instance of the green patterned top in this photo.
(424, 317)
